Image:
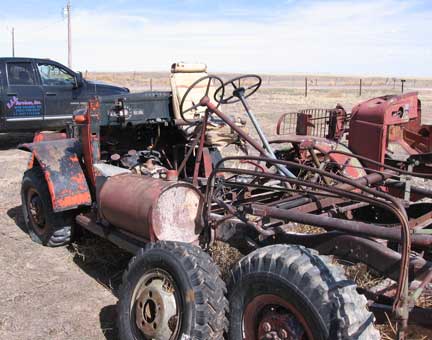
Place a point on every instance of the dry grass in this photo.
(225, 257)
(101, 259)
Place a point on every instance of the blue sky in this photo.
(379, 37)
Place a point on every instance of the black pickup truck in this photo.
(41, 94)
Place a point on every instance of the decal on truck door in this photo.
(25, 98)
(24, 108)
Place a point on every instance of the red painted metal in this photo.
(352, 167)
(267, 315)
(48, 136)
(59, 160)
(371, 121)
(328, 123)
(151, 208)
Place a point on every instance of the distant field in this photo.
(141, 80)
(283, 93)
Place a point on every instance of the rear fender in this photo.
(48, 136)
(352, 167)
(59, 161)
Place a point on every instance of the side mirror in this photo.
(79, 80)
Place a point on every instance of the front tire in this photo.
(172, 290)
(43, 225)
(292, 293)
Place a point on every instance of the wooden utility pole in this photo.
(306, 86)
(68, 13)
(13, 41)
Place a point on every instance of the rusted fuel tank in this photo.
(154, 209)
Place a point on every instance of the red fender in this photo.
(59, 161)
(352, 167)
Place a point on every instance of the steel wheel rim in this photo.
(35, 211)
(153, 303)
(270, 315)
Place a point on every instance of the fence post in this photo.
(306, 87)
(360, 91)
(151, 84)
(402, 85)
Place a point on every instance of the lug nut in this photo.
(283, 334)
(266, 327)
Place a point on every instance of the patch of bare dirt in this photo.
(50, 293)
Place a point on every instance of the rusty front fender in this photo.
(352, 167)
(59, 161)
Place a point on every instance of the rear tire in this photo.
(290, 290)
(44, 225)
(171, 276)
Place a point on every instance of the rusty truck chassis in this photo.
(234, 209)
(265, 203)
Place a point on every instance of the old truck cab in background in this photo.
(41, 94)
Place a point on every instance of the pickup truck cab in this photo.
(41, 94)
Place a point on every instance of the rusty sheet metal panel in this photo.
(351, 166)
(48, 136)
(370, 122)
(59, 160)
(387, 110)
(154, 209)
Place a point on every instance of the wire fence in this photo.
(137, 81)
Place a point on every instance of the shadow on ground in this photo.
(107, 317)
(106, 263)
(16, 215)
(98, 258)
(11, 140)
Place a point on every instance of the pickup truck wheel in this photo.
(289, 292)
(44, 225)
(172, 291)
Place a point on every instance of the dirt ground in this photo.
(70, 292)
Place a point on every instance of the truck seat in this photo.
(183, 75)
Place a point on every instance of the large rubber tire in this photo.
(53, 229)
(203, 305)
(316, 289)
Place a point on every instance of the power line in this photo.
(68, 11)
(13, 41)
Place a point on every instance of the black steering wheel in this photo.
(207, 81)
(242, 86)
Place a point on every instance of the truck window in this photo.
(20, 74)
(54, 75)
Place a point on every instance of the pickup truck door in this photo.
(60, 91)
(23, 105)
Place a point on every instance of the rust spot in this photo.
(59, 160)
(48, 136)
(30, 162)
(74, 158)
(72, 200)
(190, 296)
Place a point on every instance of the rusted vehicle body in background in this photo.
(389, 122)
(146, 173)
